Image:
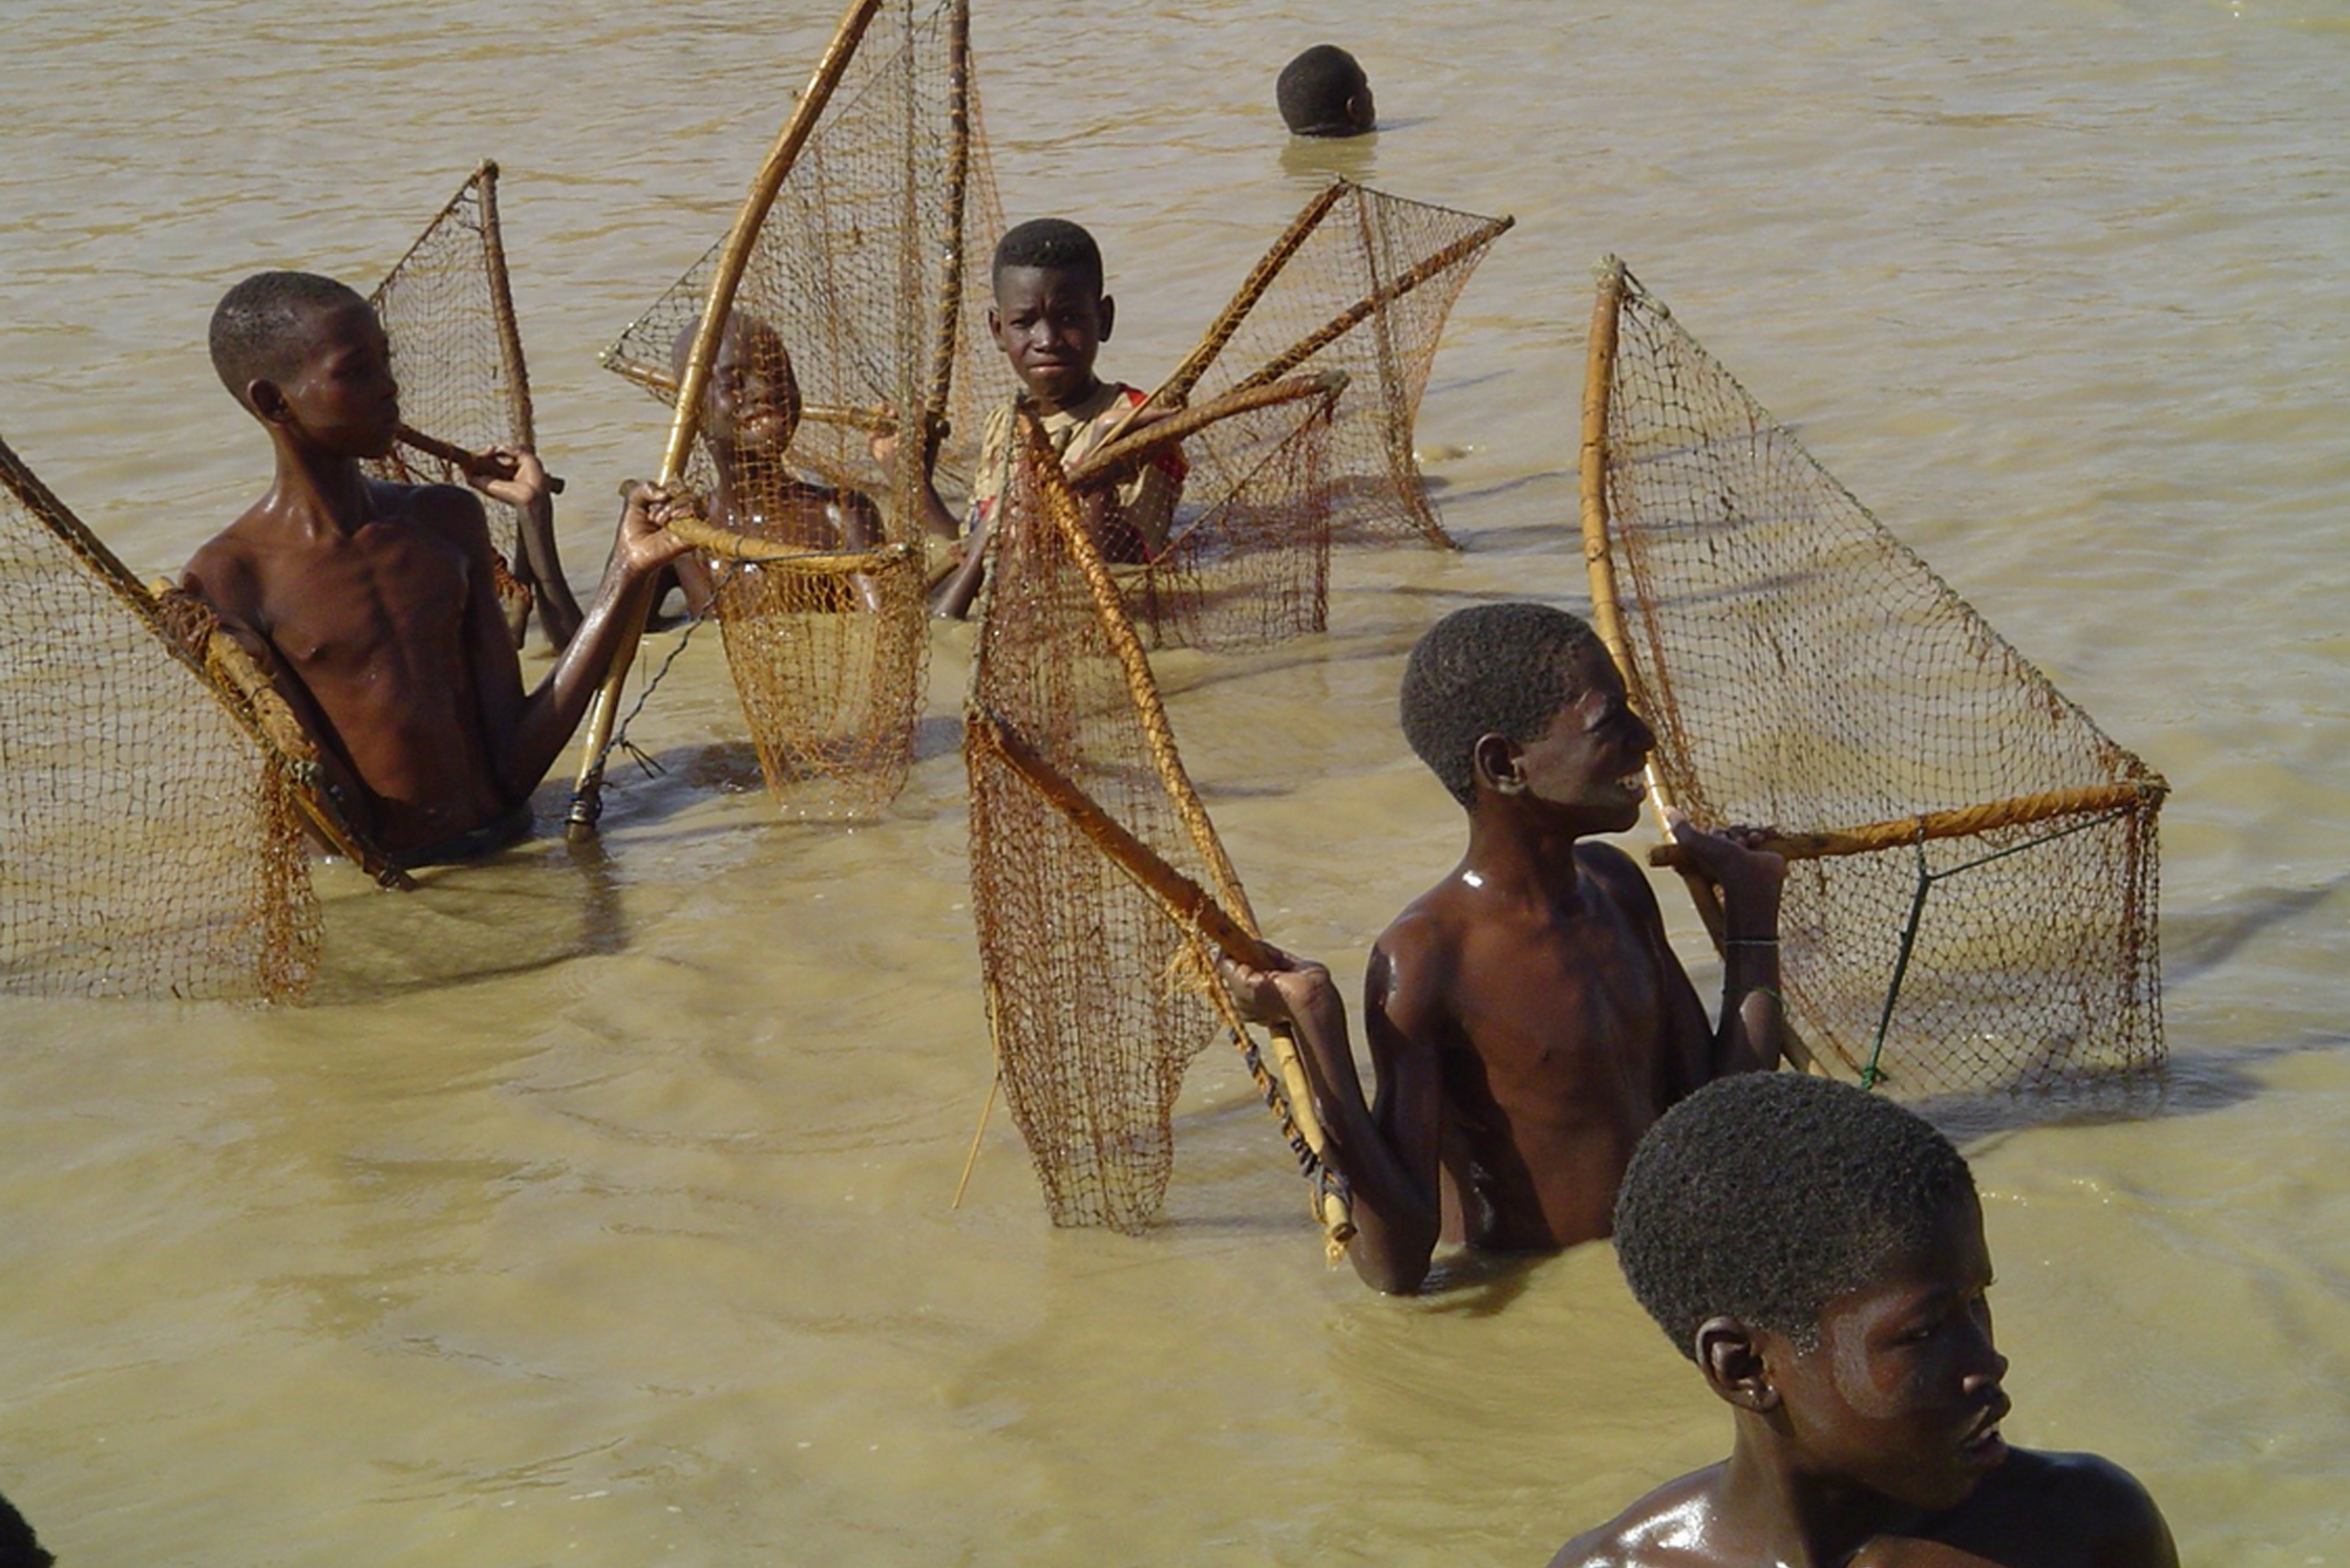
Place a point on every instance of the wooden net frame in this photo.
(1360, 281)
(1099, 887)
(849, 256)
(1972, 901)
(447, 309)
(154, 787)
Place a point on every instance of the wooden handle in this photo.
(480, 464)
(1903, 831)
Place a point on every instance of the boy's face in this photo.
(341, 397)
(1591, 758)
(1902, 1392)
(1050, 323)
(754, 399)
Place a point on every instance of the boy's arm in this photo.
(936, 518)
(1747, 1039)
(1388, 1154)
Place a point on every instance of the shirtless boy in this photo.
(1528, 1020)
(749, 415)
(371, 604)
(1051, 318)
(1818, 1252)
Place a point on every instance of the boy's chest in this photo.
(390, 592)
(1565, 1010)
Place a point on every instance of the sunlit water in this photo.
(596, 1210)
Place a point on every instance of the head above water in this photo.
(265, 327)
(19, 1547)
(1490, 670)
(1766, 1196)
(1051, 316)
(1324, 93)
(751, 401)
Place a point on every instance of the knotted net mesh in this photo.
(154, 845)
(846, 325)
(448, 313)
(1360, 281)
(1097, 879)
(1977, 906)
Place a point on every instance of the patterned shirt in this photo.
(1143, 513)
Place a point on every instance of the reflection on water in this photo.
(598, 1210)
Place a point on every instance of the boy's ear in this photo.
(266, 401)
(1732, 1362)
(995, 322)
(1109, 314)
(1494, 757)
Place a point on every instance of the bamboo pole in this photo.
(535, 538)
(1607, 608)
(1177, 387)
(952, 258)
(1060, 501)
(1120, 456)
(1901, 833)
(588, 790)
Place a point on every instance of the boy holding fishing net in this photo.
(1528, 1019)
(372, 604)
(1817, 1253)
(1050, 317)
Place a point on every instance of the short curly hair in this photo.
(1765, 1196)
(1490, 670)
(254, 334)
(1052, 243)
(1313, 89)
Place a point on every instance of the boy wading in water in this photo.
(371, 604)
(749, 415)
(1818, 1252)
(1528, 1021)
(1051, 318)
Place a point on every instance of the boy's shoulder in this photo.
(2076, 1509)
(1662, 1530)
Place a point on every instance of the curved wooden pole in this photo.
(588, 790)
(1900, 833)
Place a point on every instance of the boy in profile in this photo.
(1050, 317)
(1324, 93)
(371, 604)
(1817, 1251)
(751, 410)
(1528, 1020)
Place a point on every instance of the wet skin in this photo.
(1878, 1446)
(1527, 1018)
(751, 412)
(374, 605)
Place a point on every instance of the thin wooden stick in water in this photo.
(588, 790)
(970, 1161)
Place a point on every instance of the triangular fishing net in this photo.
(150, 795)
(448, 311)
(1360, 281)
(1099, 888)
(1971, 896)
(857, 273)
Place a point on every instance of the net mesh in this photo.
(1098, 995)
(1246, 560)
(448, 315)
(2014, 949)
(851, 306)
(153, 846)
(1361, 282)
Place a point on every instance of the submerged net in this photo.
(1089, 853)
(1361, 282)
(856, 294)
(153, 841)
(448, 313)
(1975, 901)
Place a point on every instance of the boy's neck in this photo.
(1077, 400)
(1779, 1513)
(1521, 850)
(323, 490)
